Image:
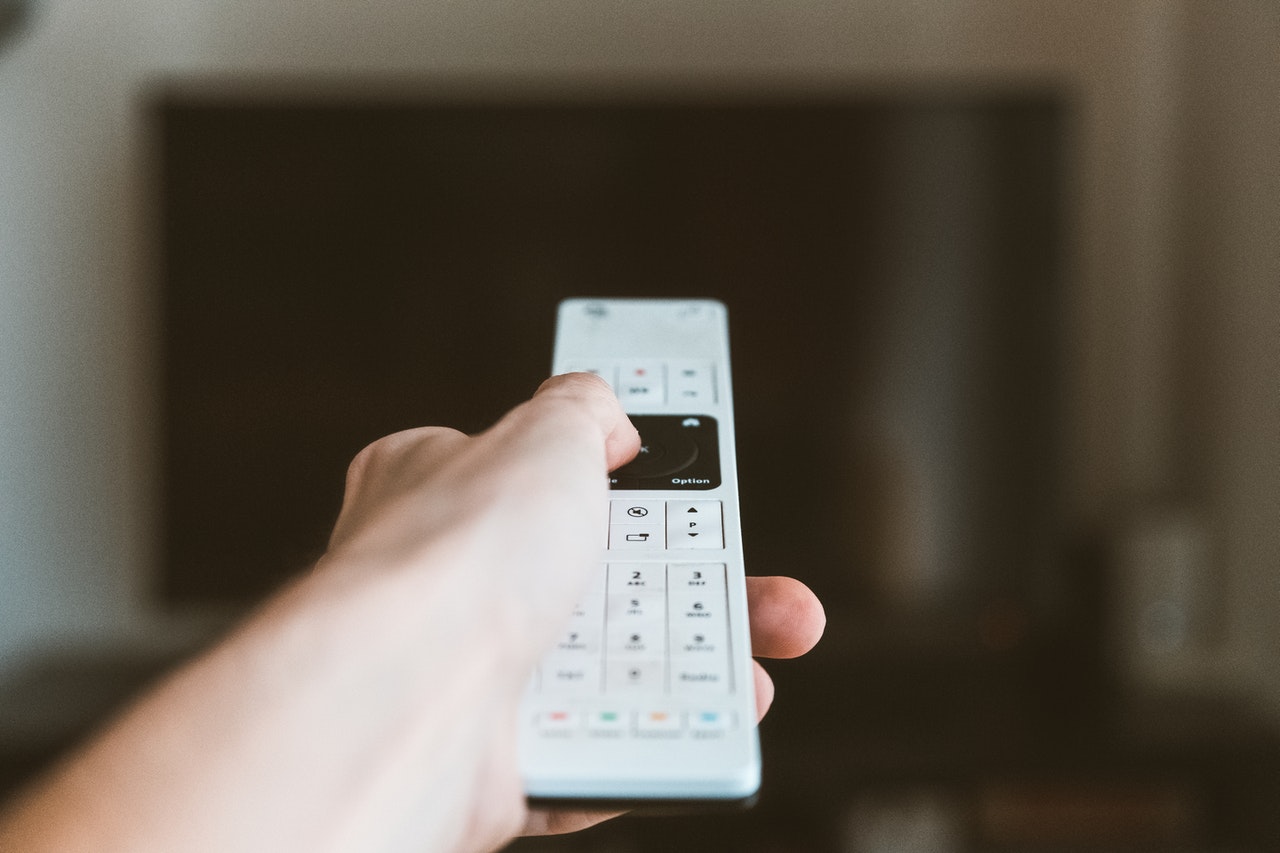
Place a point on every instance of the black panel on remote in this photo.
(676, 452)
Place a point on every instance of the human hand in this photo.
(786, 618)
(372, 704)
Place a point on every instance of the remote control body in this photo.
(649, 694)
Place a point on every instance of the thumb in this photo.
(621, 441)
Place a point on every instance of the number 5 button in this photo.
(694, 524)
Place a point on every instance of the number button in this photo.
(632, 577)
(637, 643)
(698, 642)
(580, 640)
(695, 577)
(696, 608)
(632, 609)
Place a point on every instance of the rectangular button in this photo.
(633, 608)
(695, 577)
(638, 642)
(694, 524)
(609, 723)
(693, 608)
(641, 382)
(570, 677)
(631, 577)
(636, 537)
(607, 372)
(637, 512)
(639, 676)
(690, 382)
(662, 723)
(710, 723)
(692, 640)
(641, 371)
(559, 722)
(699, 679)
(579, 640)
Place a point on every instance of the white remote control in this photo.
(649, 694)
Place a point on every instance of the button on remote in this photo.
(694, 524)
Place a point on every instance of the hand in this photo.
(371, 705)
(786, 618)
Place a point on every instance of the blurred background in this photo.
(1002, 281)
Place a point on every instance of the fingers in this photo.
(388, 468)
(561, 821)
(622, 442)
(558, 445)
(764, 690)
(787, 619)
(391, 454)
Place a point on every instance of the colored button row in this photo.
(618, 723)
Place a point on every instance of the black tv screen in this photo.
(337, 268)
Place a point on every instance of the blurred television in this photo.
(335, 267)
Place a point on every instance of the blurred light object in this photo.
(1165, 602)
(910, 822)
(1089, 815)
(12, 15)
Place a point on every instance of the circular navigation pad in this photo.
(659, 457)
(676, 452)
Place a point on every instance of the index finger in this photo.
(594, 396)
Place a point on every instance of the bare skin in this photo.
(371, 705)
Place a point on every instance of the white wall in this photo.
(76, 322)
(1230, 232)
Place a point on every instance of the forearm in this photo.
(299, 731)
(370, 705)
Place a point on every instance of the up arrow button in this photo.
(709, 532)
